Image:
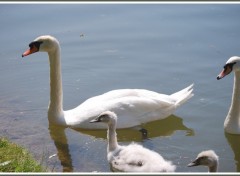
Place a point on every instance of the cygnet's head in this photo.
(205, 158)
(233, 64)
(45, 43)
(105, 117)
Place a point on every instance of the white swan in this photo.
(133, 157)
(232, 121)
(134, 106)
(206, 158)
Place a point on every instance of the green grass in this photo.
(14, 158)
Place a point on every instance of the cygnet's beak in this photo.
(95, 120)
(193, 163)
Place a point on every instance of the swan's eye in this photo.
(35, 44)
(31, 45)
(104, 117)
(202, 158)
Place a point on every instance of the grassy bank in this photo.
(14, 158)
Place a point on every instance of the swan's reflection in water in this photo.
(58, 135)
(234, 142)
(165, 127)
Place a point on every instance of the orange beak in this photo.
(225, 72)
(33, 49)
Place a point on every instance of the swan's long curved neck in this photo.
(112, 136)
(56, 93)
(233, 116)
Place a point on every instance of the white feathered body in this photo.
(133, 106)
(135, 158)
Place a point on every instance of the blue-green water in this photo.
(160, 47)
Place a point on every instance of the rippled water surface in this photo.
(160, 47)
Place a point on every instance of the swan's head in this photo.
(205, 158)
(233, 64)
(45, 43)
(106, 117)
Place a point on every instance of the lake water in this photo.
(160, 47)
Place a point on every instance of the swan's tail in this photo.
(183, 95)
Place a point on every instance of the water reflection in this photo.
(165, 127)
(58, 135)
(234, 142)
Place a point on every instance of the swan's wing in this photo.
(133, 108)
(137, 110)
(121, 93)
(131, 111)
